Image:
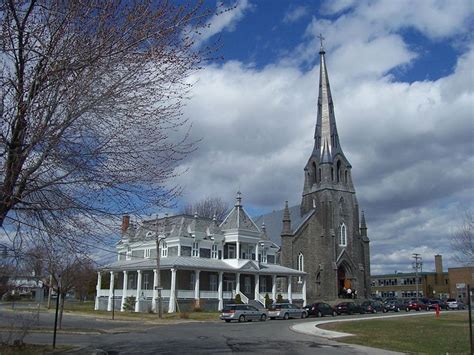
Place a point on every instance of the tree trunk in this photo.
(61, 310)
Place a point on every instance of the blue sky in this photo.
(402, 83)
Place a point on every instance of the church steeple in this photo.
(326, 139)
(327, 167)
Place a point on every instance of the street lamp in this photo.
(158, 276)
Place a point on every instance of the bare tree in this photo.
(91, 94)
(463, 241)
(208, 207)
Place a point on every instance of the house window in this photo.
(264, 256)
(343, 236)
(195, 251)
(214, 253)
(147, 253)
(300, 265)
(213, 282)
(128, 255)
(146, 281)
(164, 249)
(231, 251)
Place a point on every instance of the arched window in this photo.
(346, 176)
(343, 235)
(315, 177)
(300, 264)
(319, 178)
(332, 174)
(338, 171)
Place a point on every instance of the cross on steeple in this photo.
(321, 39)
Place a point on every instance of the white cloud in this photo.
(410, 144)
(225, 19)
(295, 14)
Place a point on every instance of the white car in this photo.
(452, 303)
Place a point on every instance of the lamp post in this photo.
(158, 276)
(57, 309)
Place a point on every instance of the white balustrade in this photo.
(260, 298)
(243, 298)
(185, 294)
(209, 294)
(228, 295)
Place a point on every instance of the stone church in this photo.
(325, 236)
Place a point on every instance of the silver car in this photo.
(242, 313)
(285, 311)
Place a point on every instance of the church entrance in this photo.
(344, 283)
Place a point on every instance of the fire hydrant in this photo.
(437, 310)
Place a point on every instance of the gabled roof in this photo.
(238, 218)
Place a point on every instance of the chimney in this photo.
(125, 223)
(438, 264)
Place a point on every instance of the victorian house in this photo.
(202, 263)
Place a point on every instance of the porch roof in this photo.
(204, 264)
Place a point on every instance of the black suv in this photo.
(320, 309)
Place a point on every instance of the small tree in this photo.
(238, 299)
(129, 304)
(462, 243)
(268, 301)
(279, 298)
(208, 207)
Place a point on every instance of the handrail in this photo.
(243, 298)
(260, 298)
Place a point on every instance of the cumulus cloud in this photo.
(410, 144)
(225, 19)
(295, 14)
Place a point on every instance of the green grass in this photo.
(420, 334)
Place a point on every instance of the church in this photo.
(325, 236)
(315, 251)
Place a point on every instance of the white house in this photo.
(202, 264)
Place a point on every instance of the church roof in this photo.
(273, 222)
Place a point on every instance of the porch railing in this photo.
(243, 298)
(259, 298)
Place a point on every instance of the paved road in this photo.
(133, 337)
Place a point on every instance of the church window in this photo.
(338, 171)
(343, 235)
(319, 178)
(315, 179)
(346, 176)
(300, 265)
(195, 250)
(332, 174)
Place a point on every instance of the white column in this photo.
(237, 282)
(139, 291)
(196, 287)
(290, 296)
(238, 250)
(154, 306)
(111, 292)
(219, 291)
(257, 286)
(124, 289)
(274, 288)
(256, 252)
(304, 291)
(172, 303)
(97, 290)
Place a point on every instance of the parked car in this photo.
(414, 305)
(452, 303)
(431, 304)
(285, 311)
(320, 309)
(394, 305)
(349, 308)
(243, 313)
(372, 306)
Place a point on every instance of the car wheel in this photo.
(242, 318)
(385, 311)
(397, 310)
(407, 309)
(334, 313)
(263, 317)
(319, 314)
(418, 309)
(374, 311)
(227, 320)
(286, 316)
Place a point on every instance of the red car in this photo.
(414, 305)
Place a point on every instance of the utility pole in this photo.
(57, 309)
(416, 265)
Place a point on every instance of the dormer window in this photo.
(147, 253)
(164, 249)
(214, 251)
(343, 235)
(264, 255)
(195, 250)
(128, 254)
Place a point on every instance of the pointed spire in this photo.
(238, 202)
(362, 221)
(264, 231)
(326, 138)
(286, 229)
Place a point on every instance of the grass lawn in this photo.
(420, 334)
(87, 308)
